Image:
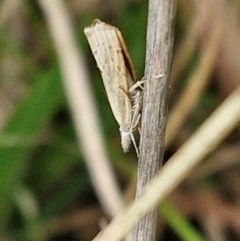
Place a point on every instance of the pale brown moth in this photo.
(115, 65)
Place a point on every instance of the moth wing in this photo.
(127, 59)
(107, 48)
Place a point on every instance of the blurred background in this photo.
(46, 192)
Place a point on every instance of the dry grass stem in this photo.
(211, 133)
(159, 48)
(84, 113)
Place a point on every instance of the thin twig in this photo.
(84, 113)
(157, 71)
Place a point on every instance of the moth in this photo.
(123, 92)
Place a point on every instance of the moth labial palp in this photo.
(116, 68)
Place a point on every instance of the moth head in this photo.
(125, 139)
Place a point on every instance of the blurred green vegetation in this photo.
(40, 162)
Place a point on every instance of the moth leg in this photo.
(139, 129)
(136, 100)
(134, 143)
(135, 122)
(139, 83)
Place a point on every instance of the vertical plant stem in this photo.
(161, 15)
(83, 109)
